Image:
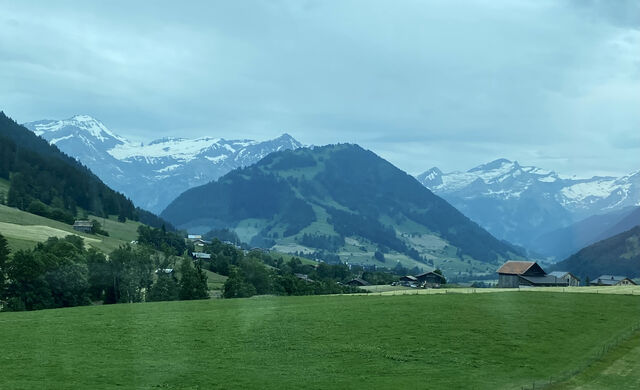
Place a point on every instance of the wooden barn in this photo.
(515, 274)
(83, 226)
(358, 282)
(408, 280)
(571, 279)
(612, 280)
(430, 279)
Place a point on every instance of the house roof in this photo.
(515, 267)
(304, 277)
(610, 280)
(562, 274)
(546, 280)
(83, 223)
(409, 277)
(422, 275)
(201, 255)
(359, 281)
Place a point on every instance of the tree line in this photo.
(61, 272)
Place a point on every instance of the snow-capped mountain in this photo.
(520, 203)
(152, 174)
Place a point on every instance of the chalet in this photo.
(201, 256)
(358, 282)
(514, 274)
(571, 279)
(612, 280)
(194, 237)
(83, 226)
(430, 279)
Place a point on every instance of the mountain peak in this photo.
(495, 164)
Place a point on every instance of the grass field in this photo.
(481, 341)
(24, 230)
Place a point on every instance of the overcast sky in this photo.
(423, 83)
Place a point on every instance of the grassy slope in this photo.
(23, 230)
(505, 340)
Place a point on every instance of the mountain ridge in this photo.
(342, 199)
(152, 174)
(522, 203)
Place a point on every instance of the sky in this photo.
(452, 84)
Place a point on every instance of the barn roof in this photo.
(562, 274)
(422, 275)
(546, 280)
(611, 279)
(359, 281)
(516, 267)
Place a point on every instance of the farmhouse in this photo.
(527, 274)
(358, 282)
(83, 226)
(612, 280)
(570, 278)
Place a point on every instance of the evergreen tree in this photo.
(193, 281)
(236, 285)
(4, 257)
(165, 288)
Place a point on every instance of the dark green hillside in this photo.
(298, 200)
(618, 255)
(47, 182)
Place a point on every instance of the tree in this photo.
(131, 273)
(4, 257)
(236, 285)
(439, 272)
(193, 281)
(166, 288)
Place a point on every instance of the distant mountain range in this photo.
(341, 202)
(154, 174)
(523, 203)
(617, 255)
(49, 183)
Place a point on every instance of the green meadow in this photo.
(483, 341)
(24, 230)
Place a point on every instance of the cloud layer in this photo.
(438, 83)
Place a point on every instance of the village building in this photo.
(358, 282)
(612, 280)
(200, 256)
(83, 226)
(515, 274)
(430, 279)
(194, 237)
(571, 279)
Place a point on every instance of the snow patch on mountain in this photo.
(519, 203)
(153, 174)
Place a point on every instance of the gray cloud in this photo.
(552, 83)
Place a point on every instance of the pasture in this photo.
(484, 341)
(24, 230)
